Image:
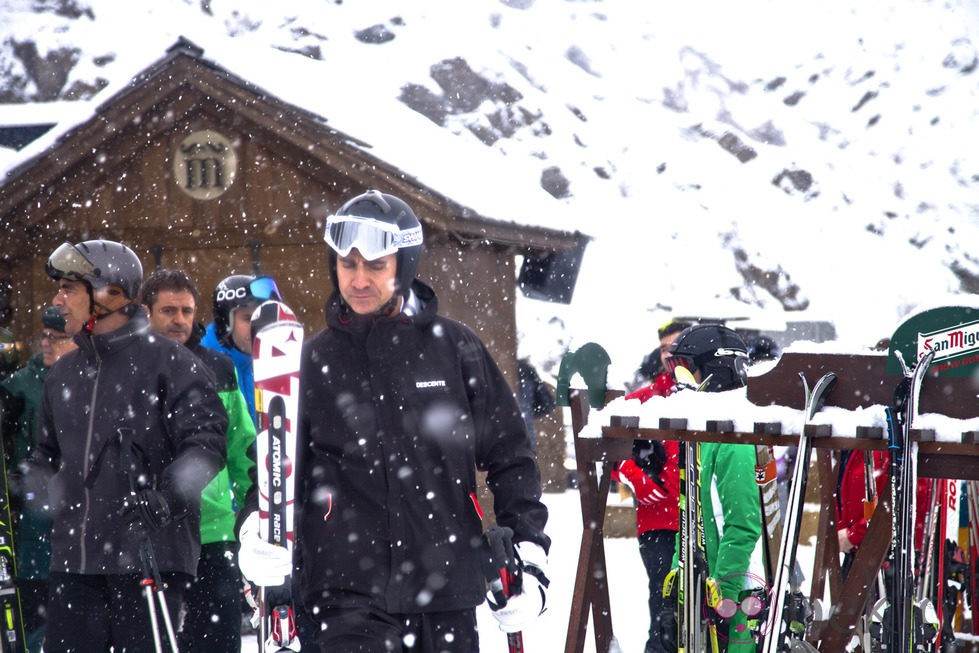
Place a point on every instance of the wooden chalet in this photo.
(194, 167)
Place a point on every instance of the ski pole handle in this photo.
(500, 564)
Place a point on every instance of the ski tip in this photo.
(270, 312)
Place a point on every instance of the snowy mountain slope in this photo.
(824, 164)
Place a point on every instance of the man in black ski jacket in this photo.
(131, 431)
(399, 407)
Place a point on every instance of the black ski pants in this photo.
(656, 549)
(89, 613)
(212, 602)
(366, 630)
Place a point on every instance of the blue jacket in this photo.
(243, 363)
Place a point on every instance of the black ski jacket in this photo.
(396, 415)
(126, 397)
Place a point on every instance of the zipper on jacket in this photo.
(88, 451)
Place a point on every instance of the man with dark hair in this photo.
(399, 407)
(20, 396)
(212, 621)
(131, 431)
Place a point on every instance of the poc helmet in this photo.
(101, 265)
(717, 351)
(237, 291)
(376, 224)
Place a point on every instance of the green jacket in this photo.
(731, 469)
(32, 520)
(227, 490)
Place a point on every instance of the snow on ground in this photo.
(627, 587)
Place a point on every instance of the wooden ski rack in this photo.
(861, 381)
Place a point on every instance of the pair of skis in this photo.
(11, 622)
(277, 339)
(790, 611)
(691, 582)
(906, 624)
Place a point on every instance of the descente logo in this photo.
(430, 384)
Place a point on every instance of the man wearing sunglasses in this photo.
(131, 431)
(399, 407)
(21, 404)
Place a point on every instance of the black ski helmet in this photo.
(236, 291)
(376, 207)
(717, 351)
(98, 264)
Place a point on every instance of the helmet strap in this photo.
(99, 310)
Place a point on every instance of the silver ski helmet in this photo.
(234, 292)
(717, 351)
(101, 265)
(376, 224)
(98, 264)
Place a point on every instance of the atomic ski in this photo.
(11, 621)
(790, 610)
(277, 344)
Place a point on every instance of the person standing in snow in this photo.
(718, 357)
(131, 431)
(652, 476)
(21, 399)
(399, 407)
(212, 619)
(234, 300)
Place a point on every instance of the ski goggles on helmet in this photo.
(372, 238)
(680, 360)
(264, 288)
(752, 606)
(66, 262)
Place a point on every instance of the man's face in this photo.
(365, 285)
(172, 315)
(241, 328)
(54, 345)
(72, 300)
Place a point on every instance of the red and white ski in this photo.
(277, 339)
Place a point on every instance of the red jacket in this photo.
(657, 503)
(851, 494)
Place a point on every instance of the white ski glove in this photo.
(522, 609)
(261, 562)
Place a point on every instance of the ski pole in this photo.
(151, 580)
(502, 574)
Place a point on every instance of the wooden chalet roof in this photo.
(86, 156)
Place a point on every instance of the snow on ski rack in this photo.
(768, 411)
(741, 416)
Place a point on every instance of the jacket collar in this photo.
(107, 344)
(420, 309)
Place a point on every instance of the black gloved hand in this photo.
(147, 511)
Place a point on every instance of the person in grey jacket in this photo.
(131, 431)
(399, 408)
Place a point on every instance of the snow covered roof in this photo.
(305, 117)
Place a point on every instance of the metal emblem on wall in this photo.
(204, 165)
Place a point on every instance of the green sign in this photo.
(952, 332)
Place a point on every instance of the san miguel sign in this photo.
(952, 332)
(204, 164)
